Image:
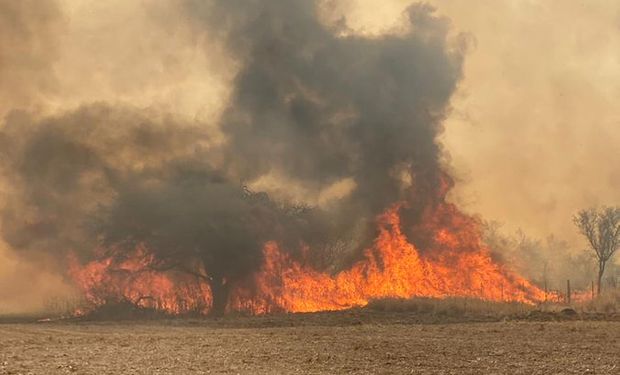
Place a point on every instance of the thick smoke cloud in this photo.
(533, 132)
(62, 168)
(309, 103)
(29, 48)
(536, 112)
(319, 107)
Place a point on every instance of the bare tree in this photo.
(601, 227)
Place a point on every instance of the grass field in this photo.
(352, 342)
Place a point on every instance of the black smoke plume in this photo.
(319, 107)
(311, 102)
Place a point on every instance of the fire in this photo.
(391, 268)
(132, 280)
(458, 264)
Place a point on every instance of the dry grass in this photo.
(62, 307)
(414, 310)
(453, 306)
(607, 303)
(605, 307)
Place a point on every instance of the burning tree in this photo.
(194, 222)
(601, 227)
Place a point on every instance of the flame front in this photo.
(459, 265)
(133, 281)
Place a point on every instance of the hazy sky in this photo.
(535, 130)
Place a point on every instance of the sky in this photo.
(534, 134)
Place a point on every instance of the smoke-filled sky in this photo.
(533, 133)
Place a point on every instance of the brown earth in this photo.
(311, 344)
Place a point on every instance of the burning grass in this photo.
(419, 310)
(460, 265)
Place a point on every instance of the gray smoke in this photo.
(61, 169)
(309, 102)
(318, 107)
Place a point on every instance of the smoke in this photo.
(27, 286)
(539, 97)
(547, 262)
(535, 114)
(323, 109)
(60, 171)
(353, 120)
(28, 48)
(63, 167)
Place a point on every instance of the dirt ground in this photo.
(272, 346)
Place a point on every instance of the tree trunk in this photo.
(601, 270)
(219, 290)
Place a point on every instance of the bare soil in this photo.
(311, 344)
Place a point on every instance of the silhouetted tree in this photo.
(601, 227)
(194, 221)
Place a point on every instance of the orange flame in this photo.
(132, 280)
(391, 268)
(459, 264)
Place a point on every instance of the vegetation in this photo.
(601, 227)
(450, 307)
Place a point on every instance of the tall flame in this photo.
(460, 265)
